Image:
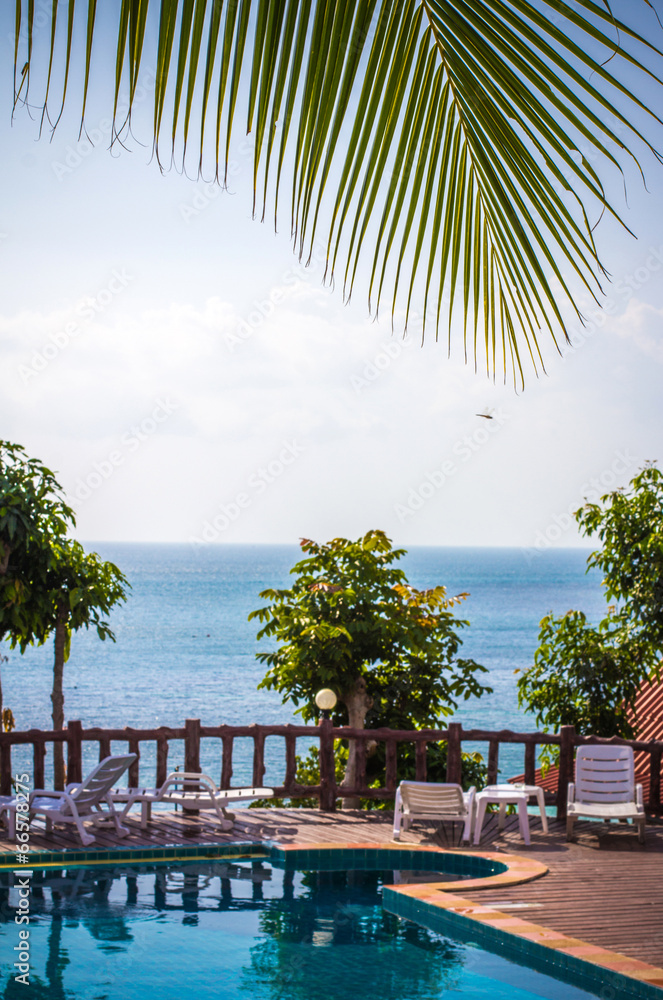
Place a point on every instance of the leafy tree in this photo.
(48, 584)
(588, 676)
(583, 676)
(33, 513)
(352, 622)
(453, 146)
(629, 525)
(81, 590)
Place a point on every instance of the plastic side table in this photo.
(504, 795)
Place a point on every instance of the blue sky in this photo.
(190, 381)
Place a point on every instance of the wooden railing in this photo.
(327, 791)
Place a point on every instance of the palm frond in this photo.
(443, 153)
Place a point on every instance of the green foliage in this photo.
(83, 588)
(432, 147)
(33, 516)
(48, 583)
(42, 572)
(583, 676)
(588, 676)
(629, 525)
(351, 614)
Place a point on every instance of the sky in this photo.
(190, 381)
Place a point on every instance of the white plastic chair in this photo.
(83, 800)
(427, 800)
(605, 788)
(191, 791)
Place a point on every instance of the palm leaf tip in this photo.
(429, 145)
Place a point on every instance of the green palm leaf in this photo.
(441, 152)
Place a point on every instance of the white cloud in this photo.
(642, 324)
(372, 420)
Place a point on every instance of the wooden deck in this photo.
(605, 888)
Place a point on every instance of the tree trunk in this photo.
(358, 702)
(57, 698)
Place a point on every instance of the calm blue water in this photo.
(186, 650)
(243, 929)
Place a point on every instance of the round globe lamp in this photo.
(326, 701)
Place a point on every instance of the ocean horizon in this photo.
(185, 648)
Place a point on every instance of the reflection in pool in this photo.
(242, 929)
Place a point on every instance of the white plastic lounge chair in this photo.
(83, 800)
(426, 800)
(605, 788)
(191, 791)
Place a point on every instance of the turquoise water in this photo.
(186, 650)
(243, 929)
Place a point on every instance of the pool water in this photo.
(243, 928)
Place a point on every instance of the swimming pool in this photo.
(252, 925)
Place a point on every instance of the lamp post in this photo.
(326, 700)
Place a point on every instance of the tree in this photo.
(81, 589)
(352, 622)
(589, 676)
(453, 146)
(583, 676)
(48, 584)
(33, 513)
(630, 526)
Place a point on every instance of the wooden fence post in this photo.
(454, 759)
(38, 754)
(258, 758)
(133, 779)
(327, 767)
(420, 760)
(192, 745)
(530, 763)
(162, 760)
(6, 769)
(391, 766)
(493, 762)
(290, 760)
(568, 735)
(74, 752)
(227, 760)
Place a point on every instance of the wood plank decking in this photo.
(605, 888)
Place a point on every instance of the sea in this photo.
(185, 649)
